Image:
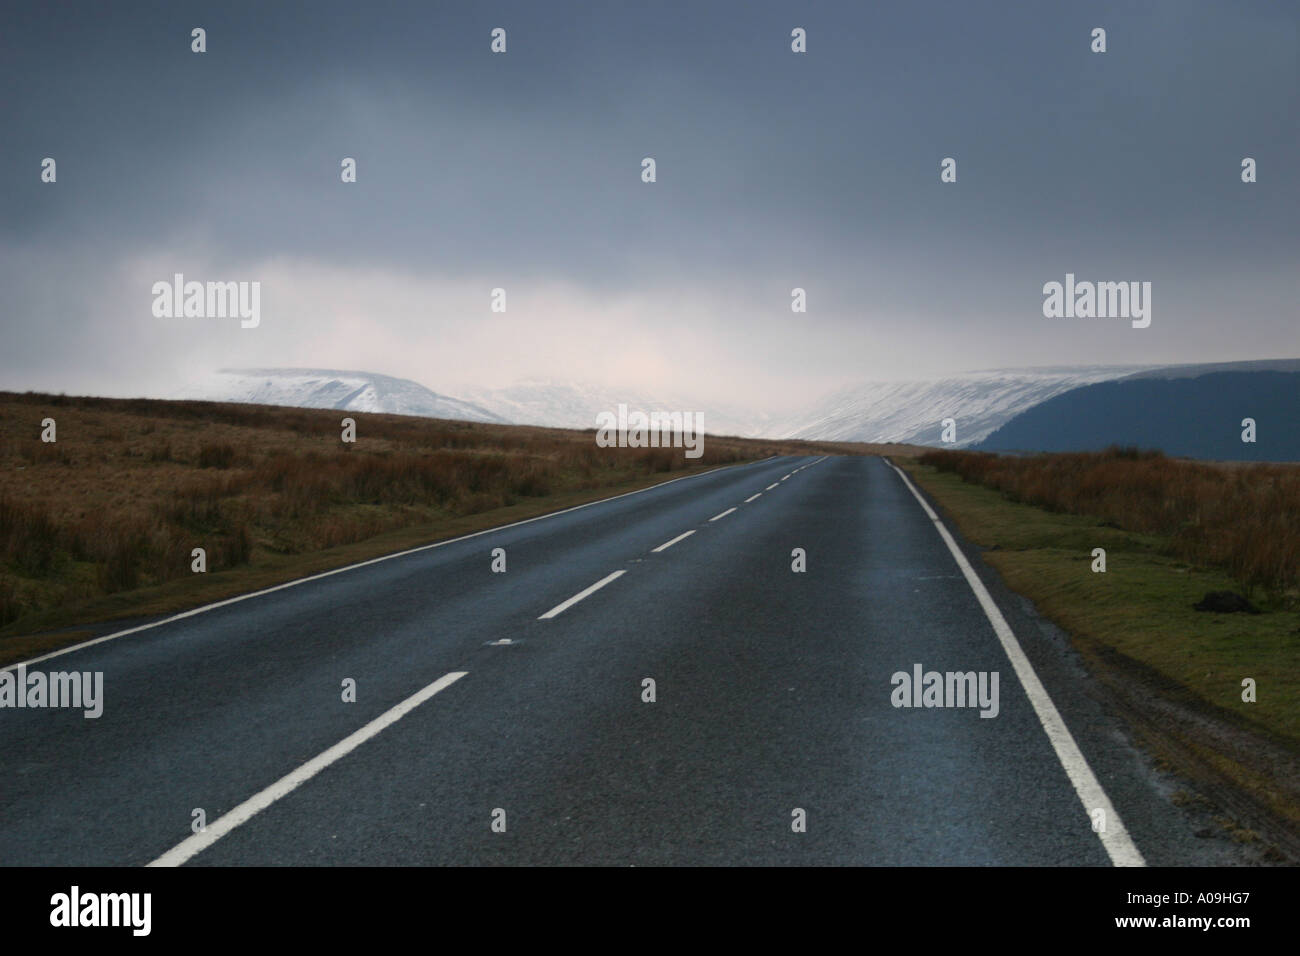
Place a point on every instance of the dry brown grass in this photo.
(1244, 520)
(133, 485)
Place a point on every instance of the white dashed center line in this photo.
(752, 497)
(668, 544)
(771, 486)
(723, 515)
(564, 606)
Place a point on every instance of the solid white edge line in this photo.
(260, 801)
(565, 605)
(723, 515)
(752, 497)
(351, 567)
(1115, 838)
(668, 544)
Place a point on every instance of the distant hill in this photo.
(1179, 408)
(912, 411)
(331, 388)
(1195, 371)
(1182, 411)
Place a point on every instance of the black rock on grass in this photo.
(1225, 602)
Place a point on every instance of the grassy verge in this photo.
(1139, 613)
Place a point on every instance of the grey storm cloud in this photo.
(774, 169)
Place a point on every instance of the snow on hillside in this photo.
(329, 388)
(913, 411)
(908, 411)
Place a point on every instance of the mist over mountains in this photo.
(575, 405)
(1183, 410)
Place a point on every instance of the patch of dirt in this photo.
(1260, 787)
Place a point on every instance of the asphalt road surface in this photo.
(499, 721)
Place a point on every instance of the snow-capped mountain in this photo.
(909, 411)
(330, 388)
(913, 411)
(568, 405)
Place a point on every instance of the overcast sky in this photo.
(523, 171)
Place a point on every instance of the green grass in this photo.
(1141, 607)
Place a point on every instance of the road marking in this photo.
(565, 605)
(668, 544)
(351, 567)
(783, 479)
(752, 497)
(258, 802)
(723, 515)
(1119, 845)
(771, 486)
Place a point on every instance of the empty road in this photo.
(503, 717)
